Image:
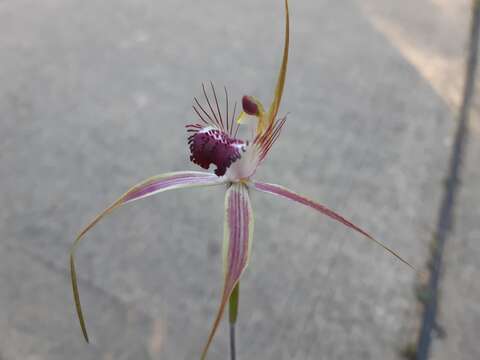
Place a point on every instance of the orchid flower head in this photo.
(213, 140)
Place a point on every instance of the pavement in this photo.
(459, 313)
(94, 97)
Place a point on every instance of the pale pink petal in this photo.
(238, 233)
(284, 192)
(149, 187)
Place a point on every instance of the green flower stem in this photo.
(233, 314)
(233, 309)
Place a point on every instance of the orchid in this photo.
(213, 139)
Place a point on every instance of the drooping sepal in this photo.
(238, 233)
(288, 194)
(149, 187)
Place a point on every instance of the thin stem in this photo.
(232, 342)
(233, 314)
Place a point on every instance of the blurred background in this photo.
(94, 97)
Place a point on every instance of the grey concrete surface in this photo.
(459, 313)
(94, 97)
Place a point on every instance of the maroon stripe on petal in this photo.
(238, 235)
(151, 186)
(164, 183)
(284, 192)
(280, 190)
(238, 219)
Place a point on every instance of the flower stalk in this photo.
(233, 314)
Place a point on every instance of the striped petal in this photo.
(149, 187)
(238, 232)
(284, 192)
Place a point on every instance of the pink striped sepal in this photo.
(238, 233)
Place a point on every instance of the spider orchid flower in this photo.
(213, 140)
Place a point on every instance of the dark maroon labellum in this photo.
(215, 147)
(249, 105)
